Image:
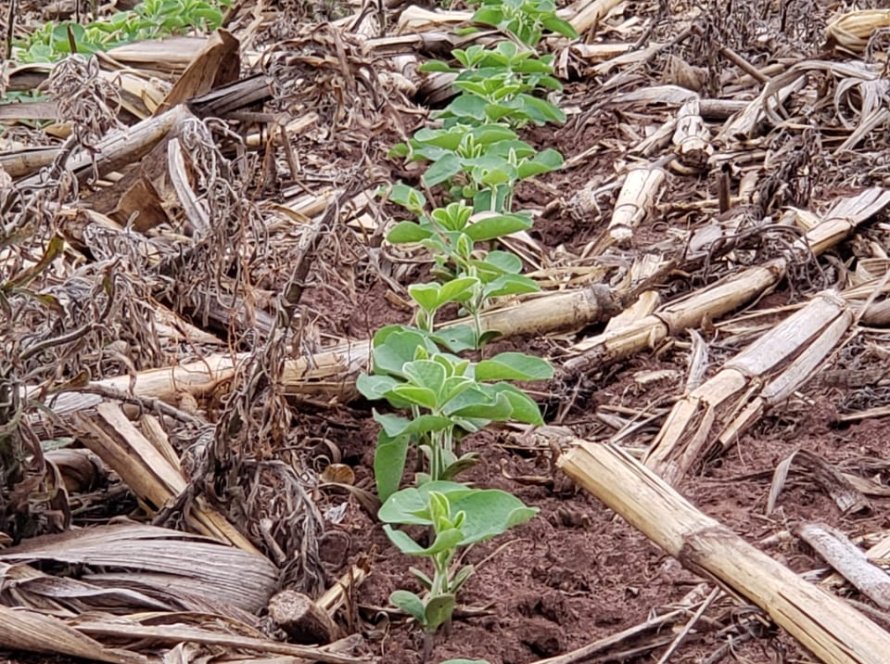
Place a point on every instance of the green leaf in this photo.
(497, 226)
(427, 373)
(396, 345)
(524, 408)
(417, 396)
(556, 24)
(467, 106)
(541, 111)
(428, 423)
(434, 66)
(457, 290)
(455, 468)
(462, 576)
(513, 366)
(543, 162)
(447, 139)
(399, 151)
(480, 403)
(510, 284)
(489, 16)
(442, 170)
(492, 133)
(409, 603)
(428, 296)
(408, 197)
(455, 385)
(408, 231)
(421, 576)
(375, 387)
(403, 506)
(445, 540)
(389, 463)
(504, 261)
(439, 609)
(456, 338)
(489, 512)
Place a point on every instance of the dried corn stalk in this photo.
(332, 373)
(823, 623)
(149, 473)
(641, 188)
(691, 137)
(31, 631)
(728, 294)
(848, 560)
(733, 399)
(589, 14)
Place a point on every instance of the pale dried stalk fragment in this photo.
(191, 206)
(711, 302)
(848, 560)
(148, 472)
(830, 628)
(117, 149)
(785, 384)
(686, 435)
(746, 123)
(638, 195)
(691, 137)
(176, 567)
(852, 30)
(34, 632)
(302, 619)
(335, 596)
(417, 19)
(332, 373)
(179, 633)
(728, 294)
(589, 14)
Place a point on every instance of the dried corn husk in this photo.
(852, 30)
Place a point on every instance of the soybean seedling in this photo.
(483, 163)
(458, 517)
(471, 276)
(446, 396)
(526, 20)
(497, 85)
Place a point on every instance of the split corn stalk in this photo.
(691, 137)
(829, 627)
(794, 350)
(149, 472)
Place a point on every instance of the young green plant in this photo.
(498, 85)
(150, 19)
(471, 275)
(446, 397)
(482, 163)
(457, 516)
